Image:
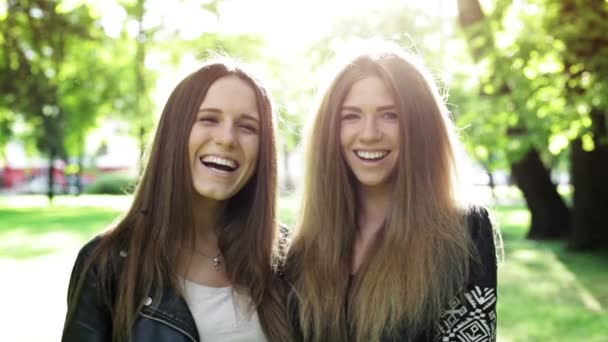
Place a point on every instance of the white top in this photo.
(221, 314)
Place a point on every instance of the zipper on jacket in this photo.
(169, 325)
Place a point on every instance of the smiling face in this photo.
(369, 132)
(224, 139)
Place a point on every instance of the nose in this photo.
(225, 135)
(370, 130)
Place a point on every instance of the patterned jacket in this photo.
(471, 317)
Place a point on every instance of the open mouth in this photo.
(371, 155)
(219, 163)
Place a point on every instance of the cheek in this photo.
(192, 142)
(345, 145)
(395, 134)
(191, 149)
(252, 150)
(345, 136)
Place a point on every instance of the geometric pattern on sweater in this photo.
(469, 318)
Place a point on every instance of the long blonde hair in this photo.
(422, 258)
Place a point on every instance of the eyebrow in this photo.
(244, 116)
(358, 110)
(387, 107)
(249, 117)
(212, 110)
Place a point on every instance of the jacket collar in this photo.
(170, 309)
(173, 311)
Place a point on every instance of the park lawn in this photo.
(546, 293)
(29, 227)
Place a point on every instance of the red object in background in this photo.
(12, 177)
(60, 178)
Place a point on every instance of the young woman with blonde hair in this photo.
(195, 257)
(385, 248)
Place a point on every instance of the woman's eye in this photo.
(390, 115)
(208, 119)
(249, 128)
(350, 116)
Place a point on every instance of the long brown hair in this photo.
(159, 226)
(422, 257)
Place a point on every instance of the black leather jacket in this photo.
(168, 320)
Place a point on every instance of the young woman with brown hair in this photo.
(195, 256)
(385, 249)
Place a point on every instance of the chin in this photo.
(372, 181)
(216, 195)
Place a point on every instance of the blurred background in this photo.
(82, 84)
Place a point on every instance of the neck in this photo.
(207, 217)
(374, 204)
(202, 267)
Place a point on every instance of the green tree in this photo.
(543, 86)
(38, 38)
(138, 81)
(89, 92)
(581, 27)
(514, 118)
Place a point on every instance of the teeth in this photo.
(218, 160)
(371, 155)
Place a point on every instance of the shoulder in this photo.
(83, 263)
(284, 235)
(89, 247)
(98, 252)
(473, 312)
(483, 238)
(283, 242)
(481, 228)
(84, 254)
(88, 315)
(479, 220)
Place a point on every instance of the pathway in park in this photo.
(34, 293)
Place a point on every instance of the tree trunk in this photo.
(79, 176)
(550, 216)
(590, 182)
(140, 85)
(470, 16)
(51, 175)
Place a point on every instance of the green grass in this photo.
(546, 292)
(29, 227)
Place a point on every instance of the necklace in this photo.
(217, 260)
